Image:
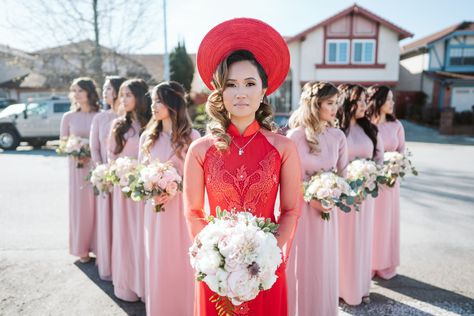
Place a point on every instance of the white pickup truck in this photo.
(35, 122)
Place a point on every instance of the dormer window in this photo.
(337, 51)
(363, 51)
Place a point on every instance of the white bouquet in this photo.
(237, 256)
(100, 178)
(364, 176)
(76, 147)
(331, 190)
(396, 165)
(123, 172)
(157, 180)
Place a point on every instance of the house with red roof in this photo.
(354, 45)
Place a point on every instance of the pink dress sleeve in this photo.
(64, 130)
(111, 144)
(343, 156)
(380, 150)
(401, 138)
(94, 140)
(193, 186)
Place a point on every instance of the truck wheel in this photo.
(37, 144)
(9, 138)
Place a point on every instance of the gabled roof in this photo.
(354, 9)
(424, 41)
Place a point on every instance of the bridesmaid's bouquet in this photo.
(75, 147)
(100, 178)
(331, 190)
(124, 172)
(157, 180)
(396, 165)
(364, 176)
(237, 256)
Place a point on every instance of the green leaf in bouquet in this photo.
(159, 208)
(402, 174)
(200, 276)
(325, 216)
(350, 199)
(374, 193)
(359, 182)
(96, 191)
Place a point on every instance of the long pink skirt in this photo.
(355, 253)
(312, 270)
(168, 272)
(104, 236)
(81, 211)
(386, 241)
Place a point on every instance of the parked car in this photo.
(6, 102)
(35, 122)
(281, 119)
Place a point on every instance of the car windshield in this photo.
(14, 109)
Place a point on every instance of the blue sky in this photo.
(191, 19)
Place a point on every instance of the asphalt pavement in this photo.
(436, 276)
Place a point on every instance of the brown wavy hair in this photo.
(115, 82)
(349, 95)
(142, 112)
(172, 95)
(215, 108)
(87, 84)
(307, 114)
(376, 98)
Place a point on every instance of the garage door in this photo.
(463, 98)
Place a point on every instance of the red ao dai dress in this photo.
(245, 182)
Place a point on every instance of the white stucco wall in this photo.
(410, 72)
(439, 49)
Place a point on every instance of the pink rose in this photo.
(172, 188)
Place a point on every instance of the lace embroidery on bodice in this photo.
(240, 187)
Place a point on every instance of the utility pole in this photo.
(166, 59)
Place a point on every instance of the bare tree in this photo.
(121, 25)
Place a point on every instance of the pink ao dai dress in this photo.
(355, 228)
(169, 277)
(82, 207)
(98, 142)
(312, 270)
(127, 229)
(386, 241)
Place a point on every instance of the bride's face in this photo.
(243, 91)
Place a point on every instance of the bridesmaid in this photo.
(169, 278)
(386, 241)
(127, 226)
(355, 228)
(98, 141)
(241, 163)
(84, 106)
(313, 266)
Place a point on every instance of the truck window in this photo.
(61, 107)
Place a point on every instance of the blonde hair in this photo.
(307, 115)
(216, 110)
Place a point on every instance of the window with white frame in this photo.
(363, 51)
(461, 56)
(337, 51)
